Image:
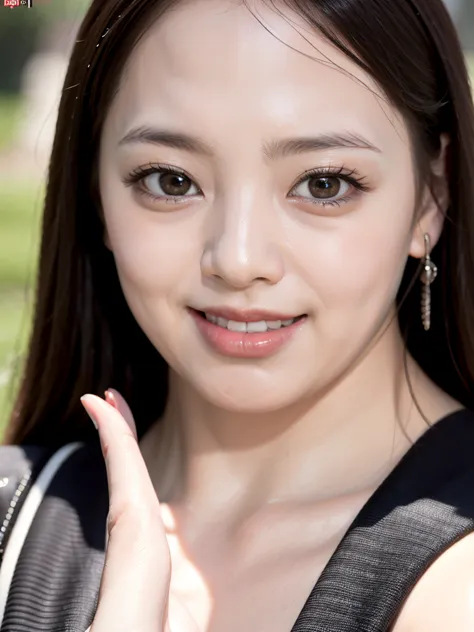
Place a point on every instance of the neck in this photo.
(338, 443)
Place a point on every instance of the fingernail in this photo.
(83, 402)
(110, 398)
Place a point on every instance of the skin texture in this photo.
(261, 462)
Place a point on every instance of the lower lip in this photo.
(244, 345)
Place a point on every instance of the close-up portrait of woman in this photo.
(256, 278)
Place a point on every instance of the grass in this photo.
(10, 116)
(20, 209)
(14, 326)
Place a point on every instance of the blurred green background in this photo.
(39, 39)
(43, 36)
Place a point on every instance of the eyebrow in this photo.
(272, 151)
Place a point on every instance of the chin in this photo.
(250, 394)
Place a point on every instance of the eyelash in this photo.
(139, 174)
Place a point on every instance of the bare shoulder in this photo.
(443, 599)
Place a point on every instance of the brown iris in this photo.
(324, 187)
(174, 184)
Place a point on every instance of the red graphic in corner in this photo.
(18, 3)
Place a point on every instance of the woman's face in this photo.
(241, 228)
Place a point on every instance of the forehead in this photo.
(215, 65)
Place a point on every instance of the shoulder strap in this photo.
(58, 572)
(23, 462)
(19, 466)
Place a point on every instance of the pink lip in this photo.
(245, 345)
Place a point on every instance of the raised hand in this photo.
(135, 589)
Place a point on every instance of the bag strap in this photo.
(16, 523)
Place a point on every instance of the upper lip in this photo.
(247, 315)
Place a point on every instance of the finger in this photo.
(115, 399)
(137, 571)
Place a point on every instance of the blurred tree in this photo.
(466, 24)
(21, 30)
(462, 12)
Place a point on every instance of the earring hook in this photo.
(427, 245)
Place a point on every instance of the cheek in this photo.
(356, 263)
(155, 254)
(153, 258)
(151, 249)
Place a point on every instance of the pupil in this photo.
(174, 184)
(328, 187)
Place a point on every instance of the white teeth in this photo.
(254, 327)
(257, 328)
(234, 325)
(273, 324)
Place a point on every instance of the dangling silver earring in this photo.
(428, 275)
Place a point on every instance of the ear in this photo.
(435, 203)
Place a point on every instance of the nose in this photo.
(244, 245)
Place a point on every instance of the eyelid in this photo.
(150, 168)
(333, 172)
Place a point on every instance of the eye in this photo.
(169, 184)
(162, 182)
(322, 188)
(327, 187)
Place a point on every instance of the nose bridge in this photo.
(244, 240)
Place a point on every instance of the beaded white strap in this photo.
(12, 507)
(25, 518)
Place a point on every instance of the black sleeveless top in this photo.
(424, 506)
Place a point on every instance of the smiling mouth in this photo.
(249, 327)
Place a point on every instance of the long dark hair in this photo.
(84, 337)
